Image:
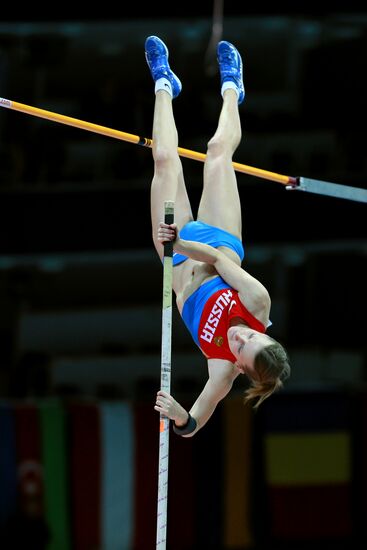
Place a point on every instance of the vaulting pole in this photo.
(164, 422)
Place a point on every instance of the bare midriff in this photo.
(191, 274)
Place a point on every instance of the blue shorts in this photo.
(208, 234)
(194, 305)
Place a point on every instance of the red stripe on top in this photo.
(218, 311)
(85, 474)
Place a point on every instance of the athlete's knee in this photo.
(165, 161)
(218, 148)
(165, 155)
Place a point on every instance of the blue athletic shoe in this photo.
(230, 66)
(156, 54)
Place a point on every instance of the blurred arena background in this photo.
(80, 285)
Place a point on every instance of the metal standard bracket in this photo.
(329, 189)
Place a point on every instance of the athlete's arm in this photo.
(232, 273)
(216, 388)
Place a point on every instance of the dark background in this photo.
(303, 116)
(80, 285)
(75, 232)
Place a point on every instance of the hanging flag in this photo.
(117, 475)
(54, 448)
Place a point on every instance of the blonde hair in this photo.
(272, 367)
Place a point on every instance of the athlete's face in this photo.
(245, 343)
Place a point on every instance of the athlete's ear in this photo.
(239, 367)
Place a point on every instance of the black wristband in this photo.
(187, 428)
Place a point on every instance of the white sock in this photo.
(229, 85)
(163, 84)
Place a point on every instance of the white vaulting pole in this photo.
(164, 423)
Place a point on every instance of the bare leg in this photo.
(168, 181)
(220, 201)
